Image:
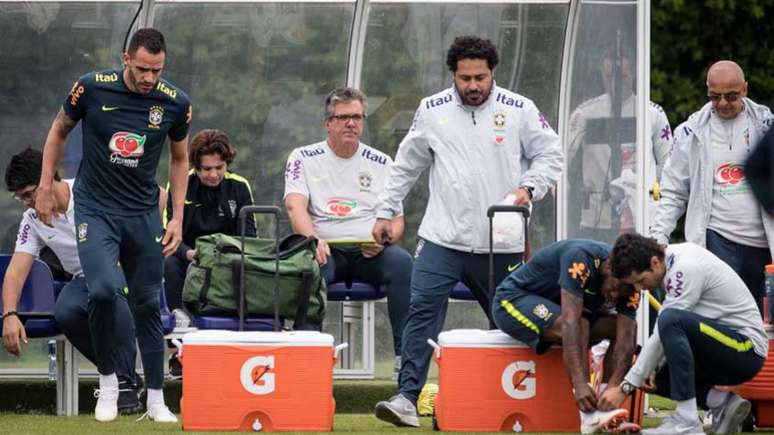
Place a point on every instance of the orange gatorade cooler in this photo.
(490, 382)
(258, 381)
(760, 389)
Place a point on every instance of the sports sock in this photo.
(108, 381)
(155, 397)
(687, 410)
(716, 398)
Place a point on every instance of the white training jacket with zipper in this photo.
(476, 155)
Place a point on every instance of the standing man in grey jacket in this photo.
(705, 175)
(480, 143)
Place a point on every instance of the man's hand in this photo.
(45, 206)
(382, 231)
(189, 254)
(323, 252)
(173, 237)
(650, 384)
(13, 330)
(523, 196)
(370, 250)
(585, 398)
(611, 398)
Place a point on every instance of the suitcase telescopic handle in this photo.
(490, 212)
(243, 213)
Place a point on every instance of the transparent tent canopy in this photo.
(259, 70)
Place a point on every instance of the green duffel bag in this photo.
(212, 283)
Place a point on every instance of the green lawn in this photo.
(85, 424)
(37, 424)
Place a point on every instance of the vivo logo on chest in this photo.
(518, 380)
(255, 376)
(367, 154)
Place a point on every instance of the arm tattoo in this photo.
(65, 122)
(574, 350)
(623, 349)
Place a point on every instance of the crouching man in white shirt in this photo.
(709, 330)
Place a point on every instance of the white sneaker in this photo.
(398, 411)
(182, 320)
(599, 421)
(107, 404)
(728, 418)
(674, 425)
(159, 413)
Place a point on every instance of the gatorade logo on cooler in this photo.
(256, 376)
(518, 380)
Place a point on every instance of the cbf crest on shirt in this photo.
(123, 135)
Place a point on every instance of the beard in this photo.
(474, 98)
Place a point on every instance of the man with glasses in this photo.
(331, 190)
(705, 178)
(21, 177)
(480, 144)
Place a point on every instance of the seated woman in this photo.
(212, 205)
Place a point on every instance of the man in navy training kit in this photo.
(22, 177)
(566, 294)
(480, 144)
(127, 116)
(709, 332)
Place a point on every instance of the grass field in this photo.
(343, 423)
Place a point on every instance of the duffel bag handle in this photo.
(259, 209)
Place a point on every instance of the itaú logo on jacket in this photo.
(518, 380)
(257, 375)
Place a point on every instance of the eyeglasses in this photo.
(26, 196)
(731, 97)
(356, 117)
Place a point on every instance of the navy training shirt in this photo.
(573, 265)
(123, 135)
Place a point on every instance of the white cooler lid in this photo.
(477, 338)
(287, 338)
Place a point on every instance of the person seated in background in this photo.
(709, 332)
(212, 203)
(21, 177)
(566, 294)
(331, 190)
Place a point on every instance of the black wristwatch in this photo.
(529, 190)
(627, 387)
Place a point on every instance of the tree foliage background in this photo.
(687, 36)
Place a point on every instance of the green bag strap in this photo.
(236, 274)
(307, 279)
(205, 287)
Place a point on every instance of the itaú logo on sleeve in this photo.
(126, 148)
(256, 376)
(518, 380)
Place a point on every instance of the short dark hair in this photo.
(211, 141)
(471, 47)
(632, 253)
(343, 95)
(24, 169)
(148, 38)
